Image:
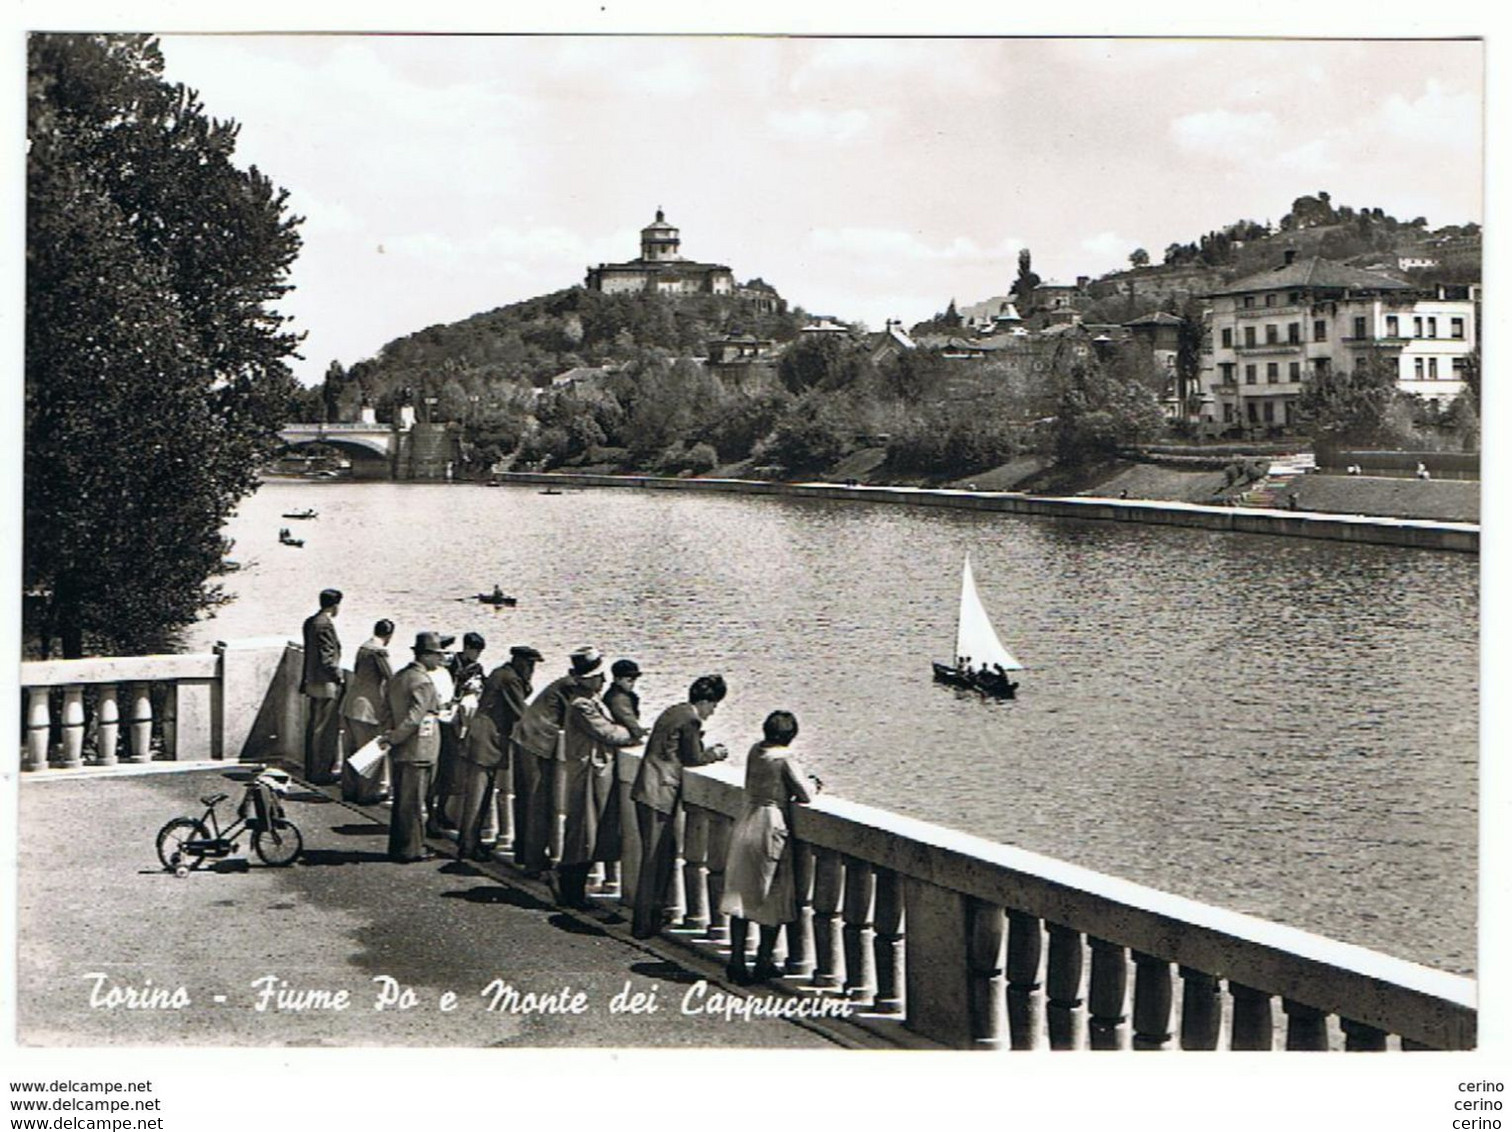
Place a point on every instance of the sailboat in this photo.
(981, 662)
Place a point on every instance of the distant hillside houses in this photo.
(661, 269)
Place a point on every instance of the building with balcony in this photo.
(662, 270)
(1273, 330)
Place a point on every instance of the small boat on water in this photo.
(981, 662)
(497, 598)
(307, 513)
(550, 491)
(288, 539)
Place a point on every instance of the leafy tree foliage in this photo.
(1101, 406)
(1025, 283)
(1353, 406)
(154, 374)
(1139, 258)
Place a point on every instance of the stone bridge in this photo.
(410, 450)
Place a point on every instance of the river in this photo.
(1283, 727)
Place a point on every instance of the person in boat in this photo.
(467, 683)
(497, 597)
(362, 714)
(321, 683)
(759, 886)
(676, 741)
(506, 691)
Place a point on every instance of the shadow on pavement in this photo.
(573, 926)
(365, 829)
(665, 971)
(498, 894)
(325, 857)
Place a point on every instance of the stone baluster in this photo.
(1360, 1038)
(800, 933)
(504, 803)
(1152, 1001)
(676, 899)
(1107, 990)
(107, 725)
(72, 753)
(986, 933)
(1201, 1009)
(38, 727)
(170, 725)
(139, 724)
(829, 872)
(695, 854)
(719, 850)
(860, 969)
(1252, 1027)
(1025, 1000)
(1063, 977)
(1306, 1026)
(887, 942)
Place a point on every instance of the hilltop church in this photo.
(661, 268)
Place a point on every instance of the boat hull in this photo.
(988, 684)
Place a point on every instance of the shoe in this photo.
(738, 974)
(765, 973)
(483, 853)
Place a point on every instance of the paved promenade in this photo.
(93, 900)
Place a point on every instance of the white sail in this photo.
(975, 636)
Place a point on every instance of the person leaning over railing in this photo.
(676, 742)
(759, 867)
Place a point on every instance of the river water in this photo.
(1282, 727)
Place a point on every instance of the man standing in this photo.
(676, 742)
(536, 747)
(623, 704)
(321, 684)
(413, 742)
(505, 693)
(362, 714)
(467, 680)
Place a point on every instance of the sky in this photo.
(864, 177)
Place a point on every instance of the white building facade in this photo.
(1271, 331)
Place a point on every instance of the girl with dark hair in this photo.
(759, 867)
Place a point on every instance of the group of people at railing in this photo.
(447, 729)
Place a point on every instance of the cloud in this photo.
(1220, 131)
(891, 245)
(819, 125)
(1438, 117)
(1109, 245)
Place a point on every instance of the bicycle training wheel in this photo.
(279, 845)
(172, 839)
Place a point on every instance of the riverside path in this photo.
(109, 937)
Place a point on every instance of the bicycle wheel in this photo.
(279, 845)
(172, 838)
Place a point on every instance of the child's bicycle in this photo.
(184, 843)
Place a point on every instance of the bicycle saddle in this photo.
(214, 799)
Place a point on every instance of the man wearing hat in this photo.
(413, 742)
(623, 704)
(502, 702)
(321, 683)
(536, 744)
(467, 681)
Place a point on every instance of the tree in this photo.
(155, 379)
(1352, 406)
(1139, 257)
(1024, 285)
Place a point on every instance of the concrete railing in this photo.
(1421, 533)
(238, 702)
(963, 941)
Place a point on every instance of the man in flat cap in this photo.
(505, 694)
(413, 742)
(321, 683)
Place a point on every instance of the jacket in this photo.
(676, 741)
(322, 678)
(371, 671)
(413, 704)
(500, 707)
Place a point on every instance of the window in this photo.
(1432, 369)
(1457, 368)
(1272, 334)
(1456, 328)
(1432, 327)
(1294, 371)
(1249, 407)
(1393, 329)
(1294, 296)
(1226, 372)
(1272, 372)
(1249, 302)
(1417, 327)
(1228, 413)
(1294, 332)
(1359, 363)
(1228, 337)
(1320, 330)
(1269, 410)
(1417, 368)
(1320, 367)
(1359, 327)
(1249, 335)
(1249, 374)
(1270, 300)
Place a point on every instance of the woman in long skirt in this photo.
(759, 868)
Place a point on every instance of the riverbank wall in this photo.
(1423, 534)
